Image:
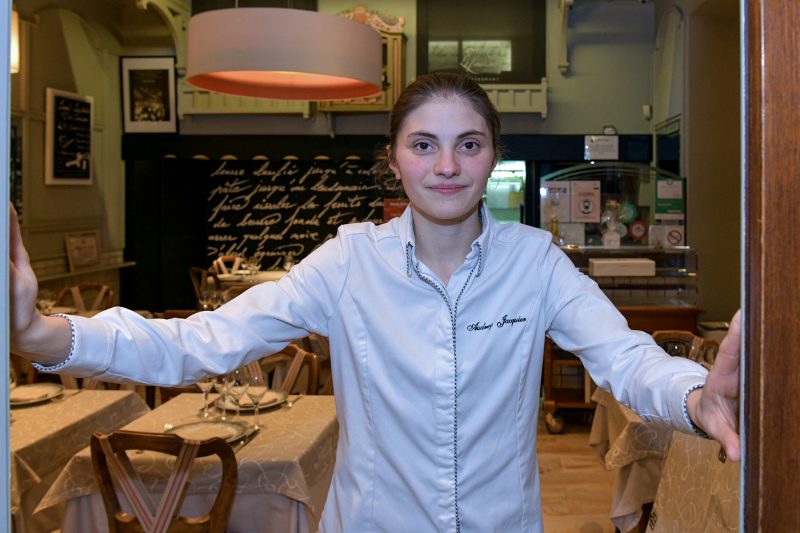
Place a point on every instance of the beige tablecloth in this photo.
(284, 472)
(635, 449)
(45, 436)
(699, 489)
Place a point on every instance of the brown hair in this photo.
(420, 91)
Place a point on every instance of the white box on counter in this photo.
(629, 266)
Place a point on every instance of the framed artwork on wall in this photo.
(83, 249)
(148, 95)
(68, 138)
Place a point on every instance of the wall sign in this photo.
(275, 209)
(68, 138)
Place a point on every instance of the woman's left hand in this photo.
(715, 407)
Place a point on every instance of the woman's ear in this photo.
(391, 162)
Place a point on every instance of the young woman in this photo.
(437, 321)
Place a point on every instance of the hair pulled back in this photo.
(422, 90)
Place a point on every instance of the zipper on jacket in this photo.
(453, 310)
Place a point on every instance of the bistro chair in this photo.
(112, 465)
(100, 294)
(687, 344)
(227, 264)
(203, 281)
(292, 370)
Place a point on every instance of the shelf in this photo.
(93, 270)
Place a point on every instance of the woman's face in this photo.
(443, 156)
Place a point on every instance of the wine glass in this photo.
(222, 386)
(205, 385)
(237, 389)
(256, 389)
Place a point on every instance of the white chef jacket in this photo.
(437, 386)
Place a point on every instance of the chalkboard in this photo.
(68, 146)
(272, 210)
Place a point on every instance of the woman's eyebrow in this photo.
(469, 133)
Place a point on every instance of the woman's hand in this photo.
(715, 407)
(46, 339)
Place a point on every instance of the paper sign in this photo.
(667, 236)
(600, 147)
(573, 233)
(585, 201)
(670, 204)
(554, 201)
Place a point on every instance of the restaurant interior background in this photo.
(643, 67)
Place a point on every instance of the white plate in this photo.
(270, 399)
(34, 393)
(207, 429)
(64, 310)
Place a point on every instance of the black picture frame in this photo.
(149, 102)
(68, 138)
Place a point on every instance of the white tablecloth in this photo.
(284, 472)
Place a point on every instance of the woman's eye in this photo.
(423, 146)
(470, 145)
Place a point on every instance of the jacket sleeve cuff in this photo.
(89, 353)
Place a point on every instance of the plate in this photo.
(34, 393)
(207, 429)
(270, 399)
(64, 310)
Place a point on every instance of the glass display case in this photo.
(614, 214)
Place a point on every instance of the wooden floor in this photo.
(576, 488)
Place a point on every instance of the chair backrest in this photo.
(687, 344)
(203, 280)
(287, 365)
(320, 345)
(227, 264)
(111, 464)
(99, 294)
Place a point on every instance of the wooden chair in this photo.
(111, 464)
(285, 369)
(203, 280)
(79, 294)
(227, 264)
(321, 347)
(687, 344)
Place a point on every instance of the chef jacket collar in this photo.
(479, 245)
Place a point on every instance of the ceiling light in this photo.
(286, 54)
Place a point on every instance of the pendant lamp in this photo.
(281, 53)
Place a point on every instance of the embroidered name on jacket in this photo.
(503, 322)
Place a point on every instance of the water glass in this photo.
(222, 386)
(256, 389)
(205, 385)
(237, 390)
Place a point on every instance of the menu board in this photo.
(68, 146)
(274, 210)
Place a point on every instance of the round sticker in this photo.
(586, 206)
(674, 237)
(637, 230)
(627, 212)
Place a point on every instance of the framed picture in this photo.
(83, 249)
(68, 138)
(148, 95)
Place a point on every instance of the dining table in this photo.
(634, 450)
(284, 469)
(44, 436)
(665, 480)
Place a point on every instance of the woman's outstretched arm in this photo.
(41, 338)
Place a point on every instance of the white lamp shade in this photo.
(286, 54)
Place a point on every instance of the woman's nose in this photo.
(447, 165)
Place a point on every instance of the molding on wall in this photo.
(62, 225)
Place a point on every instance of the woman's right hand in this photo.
(46, 339)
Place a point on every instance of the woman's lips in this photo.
(447, 189)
